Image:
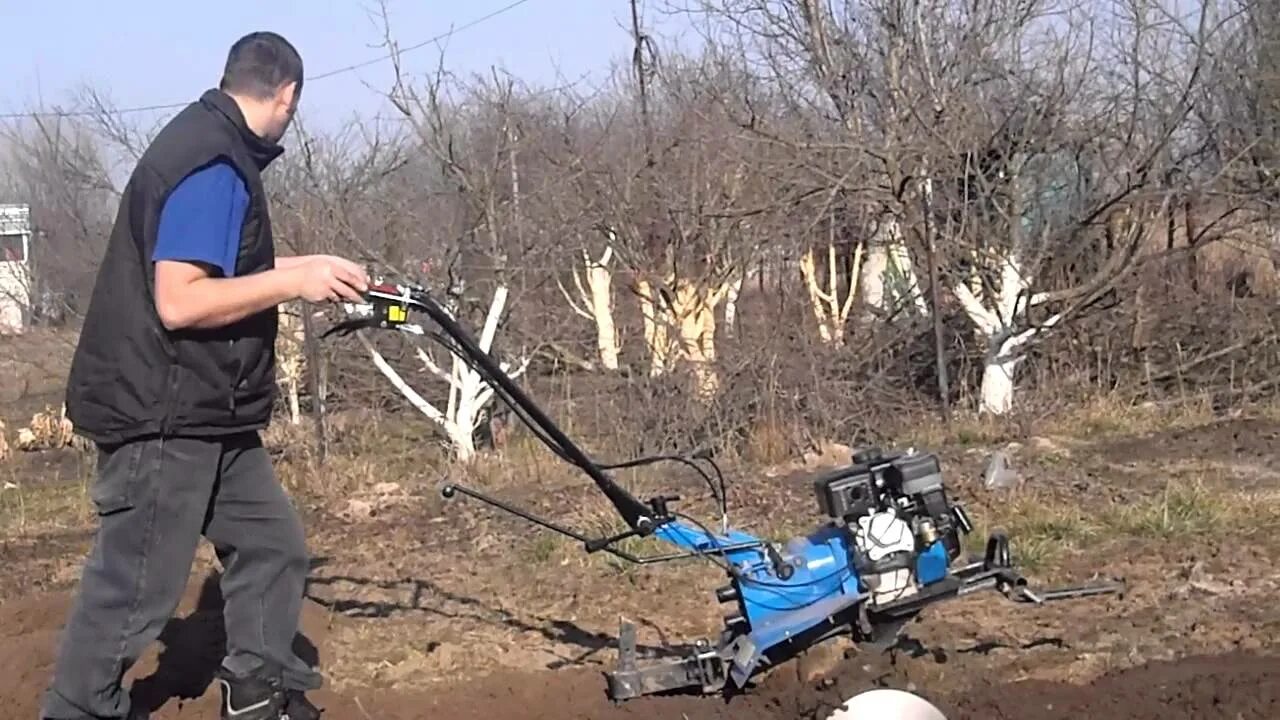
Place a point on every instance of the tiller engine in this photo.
(888, 546)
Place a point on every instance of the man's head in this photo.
(264, 75)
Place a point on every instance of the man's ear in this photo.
(287, 95)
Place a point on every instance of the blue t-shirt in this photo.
(201, 220)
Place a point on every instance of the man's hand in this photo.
(327, 278)
(286, 262)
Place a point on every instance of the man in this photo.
(173, 378)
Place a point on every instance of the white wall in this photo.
(15, 276)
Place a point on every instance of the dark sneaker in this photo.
(298, 707)
(250, 698)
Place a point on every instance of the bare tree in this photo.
(686, 215)
(475, 142)
(1021, 126)
(59, 167)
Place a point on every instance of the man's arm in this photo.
(195, 259)
(187, 296)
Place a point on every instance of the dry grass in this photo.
(964, 430)
(1104, 415)
(368, 449)
(1041, 529)
(28, 509)
(1044, 529)
(1197, 508)
(768, 441)
(1113, 414)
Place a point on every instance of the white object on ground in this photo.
(999, 474)
(887, 704)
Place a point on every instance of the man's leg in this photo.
(258, 536)
(151, 499)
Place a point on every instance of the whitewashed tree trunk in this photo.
(731, 303)
(695, 312)
(291, 357)
(872, 279)
(595, 303)
(469, 394)
(691, 313)
(831, 312)
(997, 324)
(657, 318)
(907, 290)
(295, 408)
(607, 341)
(889, 280)
(997, 379)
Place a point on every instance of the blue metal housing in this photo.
(820, 560)
(931, 565)
(822, 584)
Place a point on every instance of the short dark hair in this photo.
(259, 64)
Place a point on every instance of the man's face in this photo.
(283, 107)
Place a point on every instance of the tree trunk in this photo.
(600, 280)
(317, 385)
(872, 280)
(731, 304)
(596, 299)
(997, 377)
(695, 313)
(832, 312)
(290, 358)
(469, 394)
(997, 324)
(656, 321)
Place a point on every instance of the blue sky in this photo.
(145, 52)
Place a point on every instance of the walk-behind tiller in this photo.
(888, 547)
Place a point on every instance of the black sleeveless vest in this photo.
(130, 376)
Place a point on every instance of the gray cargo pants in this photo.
(155, 499)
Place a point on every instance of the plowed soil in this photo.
(174, 679)
(418, 609)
